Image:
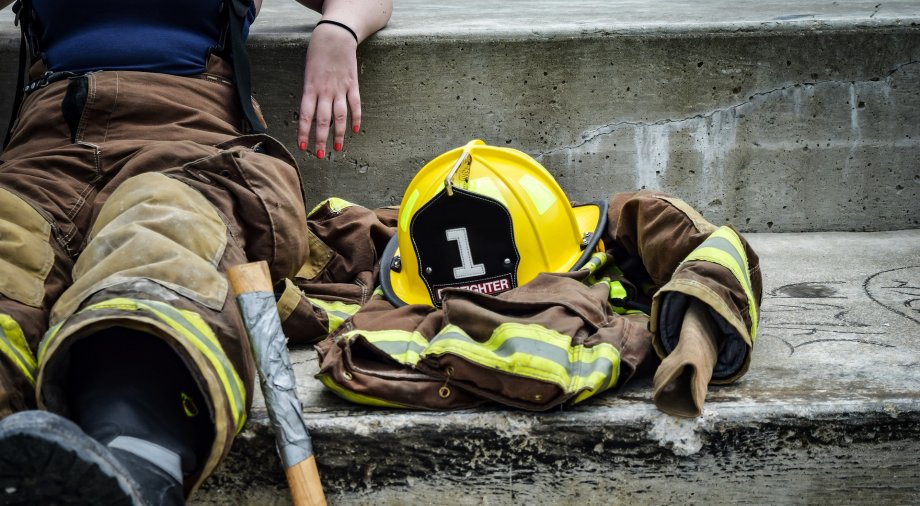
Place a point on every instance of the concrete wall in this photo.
(785, 128)
(781, 132)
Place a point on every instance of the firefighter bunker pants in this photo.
(124, 197)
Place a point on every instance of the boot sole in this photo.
(46, 459)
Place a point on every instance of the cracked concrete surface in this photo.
(602, 130)
(875, 12)
(714, 136)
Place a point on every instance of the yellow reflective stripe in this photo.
(486, 186)
(378, 292)
(336, 205)
(542, 197)
(348, 395)
(624, 311)
(617, 290)
(195, 330)
(403, 346)
(734, 248)
(723, 247)
(193, 327)
(596, 261)
(534, 351)
(48, 337)
(51, 334)
(405, 212)
(336, 311)
(13, 344)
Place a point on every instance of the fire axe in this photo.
(251, 284)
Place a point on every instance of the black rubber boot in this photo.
(157, 486)
(47, 459)
(132, 392)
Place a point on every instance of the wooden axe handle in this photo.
(251, 277)
(303, 477)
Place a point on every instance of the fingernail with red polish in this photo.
(303, 146)
(337, 146)
(321, 154)
(355, 128)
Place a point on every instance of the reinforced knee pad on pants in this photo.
(156, 228)
(26, 256)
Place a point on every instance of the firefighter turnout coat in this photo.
(559, 339)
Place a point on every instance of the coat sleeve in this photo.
(340, 272)
(669, 250)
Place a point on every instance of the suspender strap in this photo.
(238, 10)
(25, 13)
(20, 84)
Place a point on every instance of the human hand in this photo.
(330, 88)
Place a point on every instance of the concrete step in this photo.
(782, 116)
(776, 116)
(829, 413)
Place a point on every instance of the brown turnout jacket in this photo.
(561, 338)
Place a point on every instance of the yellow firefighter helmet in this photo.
(486, 219)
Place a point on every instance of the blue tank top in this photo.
(167, 36)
